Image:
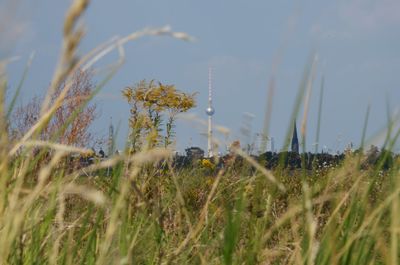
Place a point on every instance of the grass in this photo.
(140, 214)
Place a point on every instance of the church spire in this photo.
(295, 140)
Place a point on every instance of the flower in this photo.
(206, 163)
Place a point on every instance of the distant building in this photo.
(194, 152)
(295, 140)
(272, 144)
(101, 153)
(110, 139)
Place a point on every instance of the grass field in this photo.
(141, 213)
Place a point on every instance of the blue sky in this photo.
(356, 42)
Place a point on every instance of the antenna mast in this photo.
(210, 112)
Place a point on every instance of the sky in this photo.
(245, 43)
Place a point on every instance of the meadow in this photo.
(146, 211)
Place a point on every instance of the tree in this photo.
(65, 126)
(152, 103)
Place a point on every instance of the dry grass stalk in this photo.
(307, 98)
(200, 224)
(260, 168)
(71, 39)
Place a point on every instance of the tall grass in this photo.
(144, 214)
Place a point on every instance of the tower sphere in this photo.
(210, 111)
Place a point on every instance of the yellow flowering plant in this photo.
(206, 163)
(151, 103)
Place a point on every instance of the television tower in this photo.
(210, 112)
